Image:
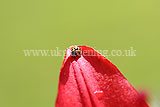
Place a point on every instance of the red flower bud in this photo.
(88, 79)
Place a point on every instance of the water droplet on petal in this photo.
(99, 94)
(64, 74)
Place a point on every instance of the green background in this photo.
(102, 24)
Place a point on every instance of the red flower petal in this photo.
(91, 80)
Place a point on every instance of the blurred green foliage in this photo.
(38, 24)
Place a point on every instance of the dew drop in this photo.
(99, 94)
(64, 74)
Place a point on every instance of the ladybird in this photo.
(75, 51)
